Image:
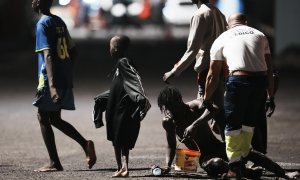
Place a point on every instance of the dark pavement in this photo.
(21, 146)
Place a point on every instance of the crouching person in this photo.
(192, 123)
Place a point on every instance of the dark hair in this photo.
(205, 1)
(243, 18)
(45, 4)
(168, 97)
(124, 42)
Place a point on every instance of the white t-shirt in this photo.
(243, 48)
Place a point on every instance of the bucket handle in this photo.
(193, 141)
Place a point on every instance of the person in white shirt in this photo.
(247, 54)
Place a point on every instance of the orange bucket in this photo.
(187, 160)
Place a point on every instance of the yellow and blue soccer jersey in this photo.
(52, 34)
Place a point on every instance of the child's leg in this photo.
(118, 156)
(122, 157)
(69, 130)
(125, 157)
(49, 140)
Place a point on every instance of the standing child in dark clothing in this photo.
(127, 105)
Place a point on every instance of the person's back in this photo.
(213, 25)
(247, 54)
(206, 25)
(59, 40)
(249, 47)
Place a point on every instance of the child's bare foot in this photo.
(121, 173)
(125, 174)
(90, 154)
(49, 169)
(117, 173)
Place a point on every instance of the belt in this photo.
(247, 73)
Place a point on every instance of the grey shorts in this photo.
(44, 102)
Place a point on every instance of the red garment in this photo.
(146, 12)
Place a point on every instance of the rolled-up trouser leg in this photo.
(234, 151)
(234, 147)
(247, 134)
(237, 148)
(238, 144)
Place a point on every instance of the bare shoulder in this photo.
(167, 123)
(194, 104)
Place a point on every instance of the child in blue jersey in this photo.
(55, 50)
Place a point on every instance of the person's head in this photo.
(215, 167)
(236, 19)
(41, 5)
(118, 46)
(202, 1)
(170, 99)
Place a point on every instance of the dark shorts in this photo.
(44, 102)
(242, 102)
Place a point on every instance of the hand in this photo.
(54, 96)
(56, 99)
(167, 76)
(188, 133)
(270, 106)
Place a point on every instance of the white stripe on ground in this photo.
(287, 164)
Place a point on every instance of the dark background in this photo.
(158, 53)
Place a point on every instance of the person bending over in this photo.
(191, 123)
